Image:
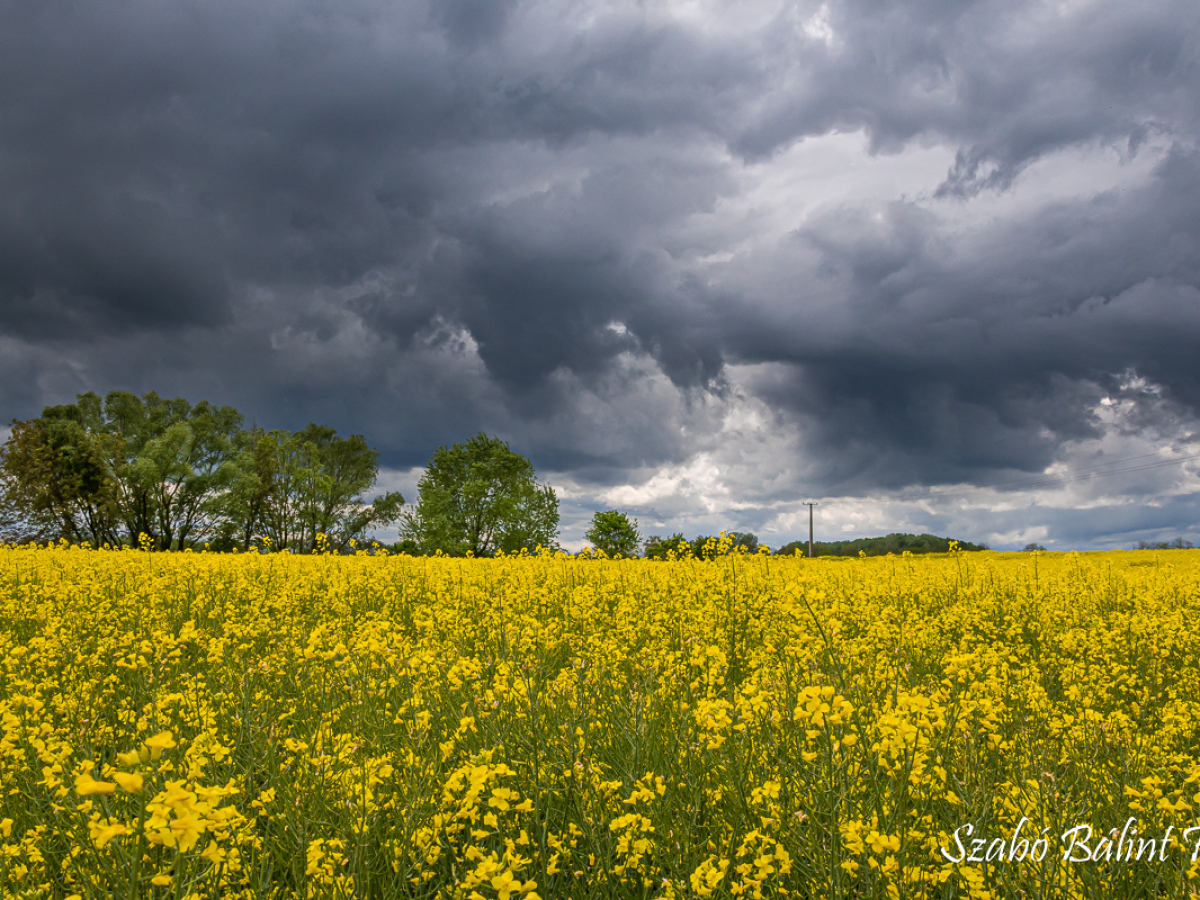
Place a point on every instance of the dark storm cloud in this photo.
(471, 22)
(488, 214)
(989, 356)
(1006, 82)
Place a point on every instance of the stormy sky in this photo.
(933, 263)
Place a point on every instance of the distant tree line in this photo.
(613, 532)
(171, 475)
(704, 546)
(1177, 544)
(108, 471)
(880, 546)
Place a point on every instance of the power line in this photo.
(1156, 465)
(1111, 462)
(1080, 474)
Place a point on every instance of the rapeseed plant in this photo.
(274, 726)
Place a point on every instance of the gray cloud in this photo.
(598, 229)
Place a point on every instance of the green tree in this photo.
(331, 474)
(172, 463)
(15, 525)
(614, 533)
(108, 471)
(746, 541)
(533, 522)
(479, 497)
(658, 547)
(250, 507)
(57, 480)
(292, 487)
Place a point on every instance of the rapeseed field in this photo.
(269, 725)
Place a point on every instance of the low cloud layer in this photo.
(701, 261)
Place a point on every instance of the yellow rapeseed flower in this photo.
(85, 785)
(131, 783)
(742, 726)
(164, 740)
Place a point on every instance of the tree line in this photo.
(172, 475)
(167, 474)
(1177, 544)
(615, 533)
(896, 542)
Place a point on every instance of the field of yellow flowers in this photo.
(268, 725)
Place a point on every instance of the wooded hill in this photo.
(879, 546)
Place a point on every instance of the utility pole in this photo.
(810, 504)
